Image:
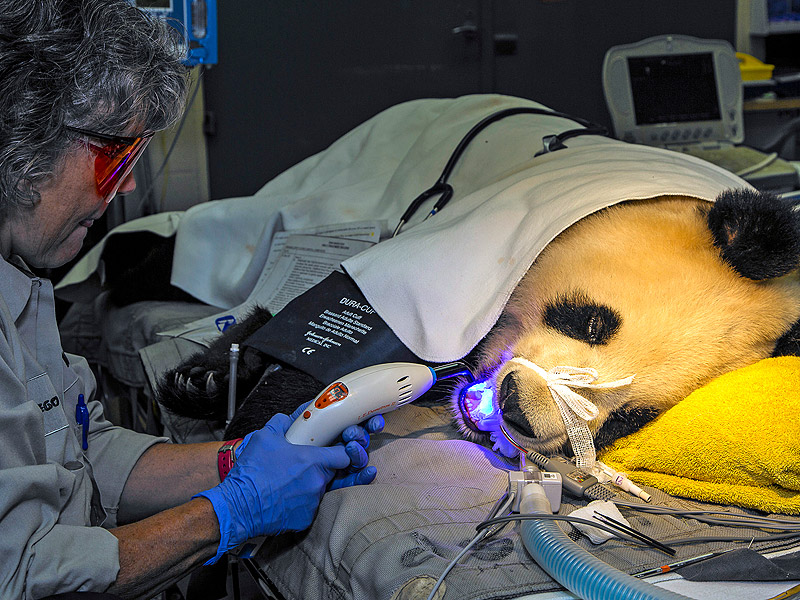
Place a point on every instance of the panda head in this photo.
(674, 291)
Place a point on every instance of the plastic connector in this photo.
(548, 481)
(534, 500)
(575, 482)
(606, 473)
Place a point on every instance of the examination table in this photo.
(390, 539)
(394, 537)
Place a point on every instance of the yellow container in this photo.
(753, 69)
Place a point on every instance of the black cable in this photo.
(744, 538)
(445, 190)
(597, 524)
(706, 516)
(201, 70)
(680, 541)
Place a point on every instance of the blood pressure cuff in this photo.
(330, 331)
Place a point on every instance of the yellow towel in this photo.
(735, 441)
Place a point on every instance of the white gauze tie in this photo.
(575, 410)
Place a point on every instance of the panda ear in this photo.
(758, 234)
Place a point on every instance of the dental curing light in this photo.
(361, 394)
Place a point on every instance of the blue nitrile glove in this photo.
(358, 455)
(276, 486)
(358, 433)
(356, 442)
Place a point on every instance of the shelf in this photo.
(770, 104)
(778, 27)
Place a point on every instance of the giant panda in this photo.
(673, 291)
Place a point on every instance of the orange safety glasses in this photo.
(114, 160)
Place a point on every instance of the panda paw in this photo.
(198, 387)
(198, 382)
(194, 389)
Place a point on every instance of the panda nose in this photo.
(509, 393)
(508, 401)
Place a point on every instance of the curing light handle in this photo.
(356, 397)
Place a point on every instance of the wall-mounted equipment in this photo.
(195, 19)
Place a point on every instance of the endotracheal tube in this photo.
(478, 406)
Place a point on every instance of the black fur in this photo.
(198, 387)
(789, 344)
(621, 423)
(757, 233)
(280, 389)
(578, 317)
(138, 267)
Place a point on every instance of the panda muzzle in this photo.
(508, 401)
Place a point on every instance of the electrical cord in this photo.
(675, 542)
(581, 485)
(491, 526)
(585, 486)
(146, 193)
(762, 164)
(478, 537)
(597, 524)
(743, 538)
(486, 532)
(710, 517)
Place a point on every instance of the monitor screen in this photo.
(675, 88)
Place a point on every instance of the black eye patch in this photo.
(581, 319)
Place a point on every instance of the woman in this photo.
(84, 84)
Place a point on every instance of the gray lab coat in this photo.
(50, 538)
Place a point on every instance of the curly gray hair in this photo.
(102, 65)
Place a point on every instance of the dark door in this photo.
(294, 76)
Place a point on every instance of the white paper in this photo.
(301, 261)
(362, 230)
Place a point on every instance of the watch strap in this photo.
(226, 457)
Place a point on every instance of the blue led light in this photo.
(486, 393)
(477, 402)
(480, 409)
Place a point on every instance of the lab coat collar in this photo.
(15, 284)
